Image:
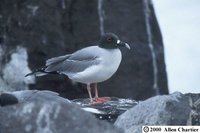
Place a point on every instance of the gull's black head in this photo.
(111, 41)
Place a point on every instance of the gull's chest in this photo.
(109, 63)
(111, 60)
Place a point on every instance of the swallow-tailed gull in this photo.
(89, 65)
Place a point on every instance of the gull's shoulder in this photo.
(87, 52)
(88, 49)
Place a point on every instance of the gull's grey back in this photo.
(75, 62)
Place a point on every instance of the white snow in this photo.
(179, 21)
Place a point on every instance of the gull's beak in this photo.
(123, 44)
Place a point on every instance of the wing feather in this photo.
(76, 62)
(57, 59)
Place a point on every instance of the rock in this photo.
(194, 100)
(16, 68)
(13, 71)
(50, 116)
(174, 109)
(45, 111)
(8, 98)
(108, 111)
(4, 86)
(56, 27)
(143, 68)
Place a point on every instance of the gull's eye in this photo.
(109, 39)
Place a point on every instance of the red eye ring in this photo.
(109, 39)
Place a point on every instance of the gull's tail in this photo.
(47, 69)
(40, 72)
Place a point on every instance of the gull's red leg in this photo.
(100, 99)
(89, 92)
(96, 90)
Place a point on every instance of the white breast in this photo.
(110, 61)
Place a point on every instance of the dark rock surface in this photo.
(174, 109)
(47, 28)
(127, 19)
(8, 99)
(50, 116)
(108, 111)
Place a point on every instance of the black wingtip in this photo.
(28, 74)
(34, 72)
(40, 72)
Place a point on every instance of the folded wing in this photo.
(74, 63)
